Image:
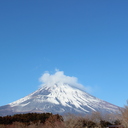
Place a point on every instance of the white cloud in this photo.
(59, 77)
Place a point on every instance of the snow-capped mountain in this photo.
(58, 98)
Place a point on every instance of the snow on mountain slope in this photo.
(59, 98)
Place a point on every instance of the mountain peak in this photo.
(59, 98)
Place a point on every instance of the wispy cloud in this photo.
(60, 77)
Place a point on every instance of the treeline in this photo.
(95, 120)
(49, 120)
(29, 118)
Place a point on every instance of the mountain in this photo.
(58, 98)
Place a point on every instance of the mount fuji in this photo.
(59, 98)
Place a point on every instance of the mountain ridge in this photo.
(59, 98)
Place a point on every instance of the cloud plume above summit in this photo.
(59, 78)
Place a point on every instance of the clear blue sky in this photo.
(87, 39)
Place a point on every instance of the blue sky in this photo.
(87, 39)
